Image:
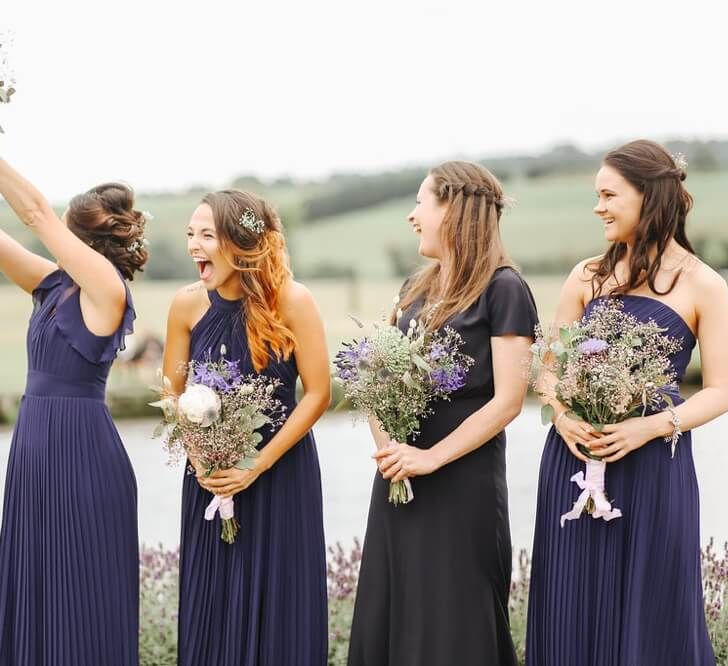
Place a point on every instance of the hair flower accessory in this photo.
(138, 245)
(681, 162)
(249, 220)
(148, 217)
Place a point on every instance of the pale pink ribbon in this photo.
(592, 486)
(224, 505)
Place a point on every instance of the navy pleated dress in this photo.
(626, 592)
(262, 600)
(69, 557)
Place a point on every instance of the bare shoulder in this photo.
(578, 284)
(188, 302)
(296, 299)
(706, 284)
(585, 269)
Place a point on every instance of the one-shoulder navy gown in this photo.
(69, 555)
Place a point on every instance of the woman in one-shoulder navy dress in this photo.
(628, 592)
(68, 549)
(260, 601)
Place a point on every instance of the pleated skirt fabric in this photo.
(262, 600)
(626, 592)
(69, 559)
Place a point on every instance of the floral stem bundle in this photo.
(7, 78)
(608, 367)
(215, 423)
(394, 377)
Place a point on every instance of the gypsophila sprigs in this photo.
(609, 367)
(7, 76)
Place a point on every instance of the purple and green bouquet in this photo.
(7, 78)
(394, 377)
(608, 367)
(215, 422)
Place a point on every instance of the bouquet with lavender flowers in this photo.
(395, 376)
(7, 78)
(609, 366)
(215, 422)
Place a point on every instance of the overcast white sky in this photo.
(164, 95)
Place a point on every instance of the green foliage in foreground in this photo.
(160, 596)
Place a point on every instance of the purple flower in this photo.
(447, 380)
(221, 376)
(437, 352)
(592, 346)
(355, 356)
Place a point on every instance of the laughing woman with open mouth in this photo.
(262, 599)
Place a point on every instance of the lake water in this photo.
(347, 471)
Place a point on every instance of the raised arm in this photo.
(92, 272)
(22, 266)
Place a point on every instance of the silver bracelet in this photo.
(673, 437)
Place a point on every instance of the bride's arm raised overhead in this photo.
(116, 232)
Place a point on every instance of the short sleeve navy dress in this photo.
(435, 574)
(69, 555)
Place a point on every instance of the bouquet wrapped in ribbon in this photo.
(394, 377)
(215, 423)
(609, 367)
(7, 78)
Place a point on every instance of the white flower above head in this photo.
(7, 76)
(199, 404)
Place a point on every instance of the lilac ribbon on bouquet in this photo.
(592, 486)
(224, 505)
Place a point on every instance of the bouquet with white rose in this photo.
(215, 422)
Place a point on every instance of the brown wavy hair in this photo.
(264, 268)
(470, 234)
(105, 219)
(651, 169)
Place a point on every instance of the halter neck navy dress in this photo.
(262, 600)
(626, 592)
(69, 555)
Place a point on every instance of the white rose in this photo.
(199, 404)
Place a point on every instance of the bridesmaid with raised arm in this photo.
(69, 558)
(628, 592)
(435, 573)
(260, 601)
